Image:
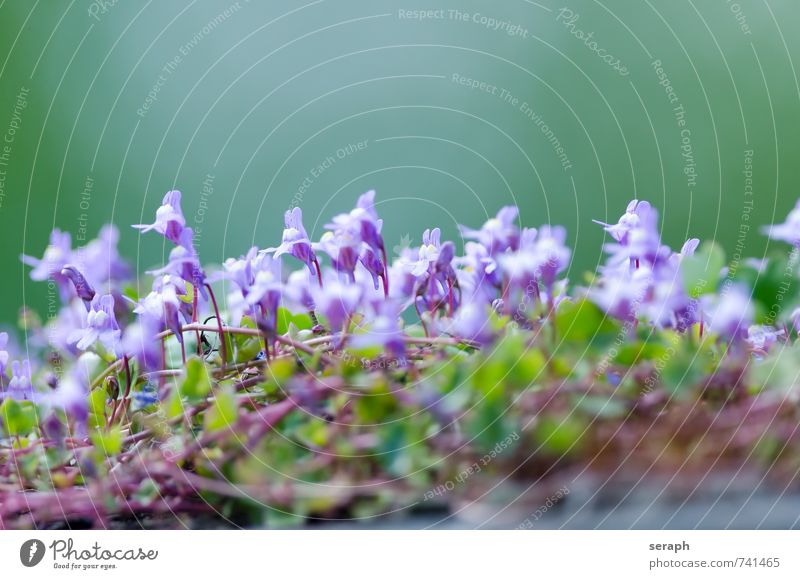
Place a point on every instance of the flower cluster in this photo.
(348, 289)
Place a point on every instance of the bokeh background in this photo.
(252, 107)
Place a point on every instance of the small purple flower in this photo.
(20, 387)
(621, 294)
(428, 251)
(348, 231)
(472, 322)
(139, 342)
(101, 324)
(264, 296)
(184, 263)
(296, 242)
(297, 291)
(384, 331)
(477, 270)
(729, 314)
(343, 249)
(71, 395)
(789, 231)
(100, 262)
(161, 306)
(170, 221)
(82, 288)
(497, 234)
(57, 254)
(375, 266)
(760, 338)
(337, 302)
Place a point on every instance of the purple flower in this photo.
(361, 223)
(761, 338)
(497, 234)
(264, 296)
(259, 288)
(472, 322)
(729, 314)
(71, 395)
(100, 262)
(184, 263)
(170, 221)
(297, 292)
(139, 342)
(20, 387)
(789, 231)
(348, 231)
(57, 254)
(82, 288)
(384, 331)
(620, 294)
(552, 253)
(101, 324)
(296, 242)
(343, 249)
(375, 266)
(477, 270)
(161, 306)
(337, 302)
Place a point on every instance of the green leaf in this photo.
(188, 297)
(701, 271)
(300, 321)
(197, 383)
(582, 321)
(223, 411)
(97, 400)
(19, 418)
(560, 436)
(107, 443)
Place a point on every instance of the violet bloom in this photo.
(375, 266)
(163, 306)
(71, 396)
(477, 270)
(100, 261)
(553, 254)
(337, 302)
(82, 288)
(296, 242)
(636, 237)
(170, 221)
(297, 292)
(264, 295)
(384, 331)
(789, 231)
(472, 322)
(57, 254)
(498, 233)
(139, 342)
(348, 231)
(20, 387)
(729, 314)
(760, 338)
(343, 249)
(621, 293)
(101, 324)
(631, 219)
(184, 263)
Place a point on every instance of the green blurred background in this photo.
(265, 103)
